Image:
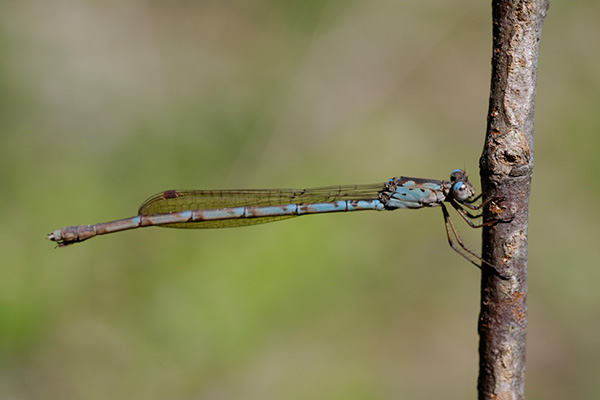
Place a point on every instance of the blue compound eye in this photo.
(461, 191)
(456, 175)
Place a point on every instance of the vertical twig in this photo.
(506, 168)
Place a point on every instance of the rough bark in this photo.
(506, 168)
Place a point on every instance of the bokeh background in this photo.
(104, 103)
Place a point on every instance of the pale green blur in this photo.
(104, 103)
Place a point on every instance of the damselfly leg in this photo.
(451, 231)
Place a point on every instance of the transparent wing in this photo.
(184, 200)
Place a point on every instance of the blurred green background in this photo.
(104, 103)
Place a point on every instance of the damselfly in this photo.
(230, 208)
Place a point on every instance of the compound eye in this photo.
(460, 191)
(456, 175)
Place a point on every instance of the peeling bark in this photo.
(506, 168)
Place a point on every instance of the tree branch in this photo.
(506, 168)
